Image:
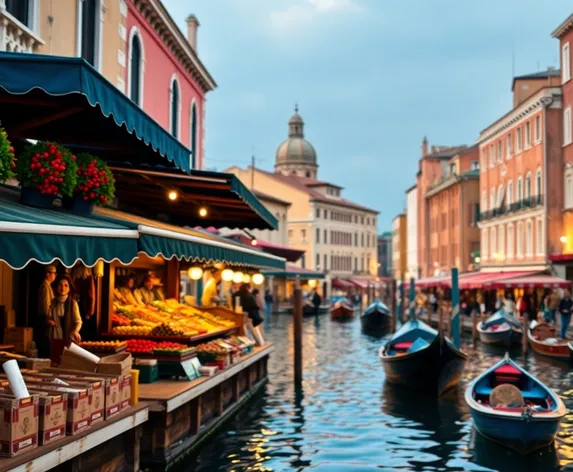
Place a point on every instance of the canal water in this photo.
(347, 419)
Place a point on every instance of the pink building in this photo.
(164, 74)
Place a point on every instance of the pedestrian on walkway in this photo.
(268, 303)
(565, 308)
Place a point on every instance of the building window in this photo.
(290, 234)
(317, 261)
(500, 151)
(538, 129)
(475, 165)
(356, 264)
(492, 199)
(325, 263)
(135, 70)
(566, 63)
(508, 146)
(491, 156)
(326, 214)
(520, 239)
(89, 31)
(500, 196)
(325, 237)
(174, 107)
(20, 9)
(510, 241)
(519, 190)
(493, 243)
(484, 244)
(501, 242)
(518, 141)
(509, 194)
(483, 158)
(362, 240)
(527, 135)
(539, 237)
(318, 212)
(317, 236)
(567, 127)
(303, 235)
(569, 188)
(529, 239)
(528, 187)
(193, 140)
(538, 185)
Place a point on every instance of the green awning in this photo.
(30, 234)
(167, 241)
(64, 99)
(292, 271)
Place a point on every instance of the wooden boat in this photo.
(544, 340)
(342, 310)
(376, 317)
(500, 328)
(510, 406)
(418, 357)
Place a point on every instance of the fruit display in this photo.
(119, 320)
(140, 346)
(131, 330)
(104, 346)
(164, 330)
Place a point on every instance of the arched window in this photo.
(509, 195)
(135, 71)
(174, 107)
(519, 191)
(538, 185)
(492, 200)
(307, 174)
(193, 137)
(500, 196)
(529, 239)
(528, 187)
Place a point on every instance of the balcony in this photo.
(14, 35)
(524, 204)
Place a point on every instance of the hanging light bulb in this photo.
(227, 275)
(246, 278)
(202, 212)
(258, 279)
(238, 277)
(172, 195)
(312, 283)
(195, 273)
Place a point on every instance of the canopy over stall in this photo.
(342, 284)
(223, 197)
(478, 280)
(289, 253)
(534, 281)
(292, 272)
(64, 99)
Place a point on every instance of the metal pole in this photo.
(393, 304)
(455, 320)
(524, 339)
(402, 299)
(412, 316)
(297, 315)
(474, 328)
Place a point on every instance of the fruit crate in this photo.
(181, 354)
(147, 373)
(108, 351)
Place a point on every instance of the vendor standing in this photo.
(64, 320)
(145, 295)
(45, 297)
(210, 296)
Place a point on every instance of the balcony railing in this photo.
(14, 35)
(524, 204)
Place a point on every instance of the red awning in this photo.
(533, 281)
(443, 281)
(499, 277)
(475, 280)
(360, 283)
(342, 284)
(561, 257)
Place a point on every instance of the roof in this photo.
(452, 180)
(289, 253)
(270, 198)
(563, 28)
(545, 74)
(447, 153)
(386, 234)
(292, 271)
(305, 185)
(471, 174)
(409, 189)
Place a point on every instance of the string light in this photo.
(227, 275)
(202, 212)
(195, 273)
(258, 279)
(173, 195)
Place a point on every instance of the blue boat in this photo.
(419, 357)
(376, 317)
(500, 328)
(513, 408)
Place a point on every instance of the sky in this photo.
(371, 77)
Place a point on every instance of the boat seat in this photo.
(506, 374)
(418, 345)
(403, 346)
(535, 394)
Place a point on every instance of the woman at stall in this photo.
(249, 304)
(127, 288)
(64, 320)
(145, 295)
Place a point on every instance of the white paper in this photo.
(17, 384)
(80, 351)
(60, 382)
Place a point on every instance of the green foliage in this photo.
(7, 163)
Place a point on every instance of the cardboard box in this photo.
(18, 425)
(72, 361)
(116, 364)
(78, 416)
(37, 364)
(21, 338)
(113, 386)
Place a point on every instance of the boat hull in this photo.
(506, 337)
(342, 312)
(376, 320)
(555, 351)
(433, 370)
(518, 434)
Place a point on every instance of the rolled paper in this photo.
(17, 384)
(61, 382)
(80, 351)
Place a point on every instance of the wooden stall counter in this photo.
(111, 445)
(183, 413)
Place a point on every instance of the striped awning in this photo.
(534, 281)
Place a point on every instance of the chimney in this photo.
(192, 26)
(425, 147)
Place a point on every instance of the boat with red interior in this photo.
(500, 328)
(511, 407)
(545, 340)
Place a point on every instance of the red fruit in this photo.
(12, 149)
(85, 198)
(46, 155)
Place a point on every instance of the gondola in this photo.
(376, 317)
(342, 310)
(544, 340)
(511, 407)
(500, 328)
(418, 357)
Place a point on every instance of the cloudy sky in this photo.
(372, 77)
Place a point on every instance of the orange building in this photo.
(452, 206)
(432, 167)
(521, 181)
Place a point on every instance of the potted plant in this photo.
(45, 170)
(7, 163)
(95, 185)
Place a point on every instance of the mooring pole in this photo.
(525, 339)
(474, 327)
(297, 315)
(402, 300)
(393, 304)
(455, 320)
(412, 316)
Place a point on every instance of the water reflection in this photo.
(348, 419)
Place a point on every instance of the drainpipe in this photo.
(546, 102)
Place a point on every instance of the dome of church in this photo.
(296, 149)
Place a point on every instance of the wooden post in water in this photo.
(474, 328)
(402, 300)
(297, 315)
(393, 304)
(412, 314)
(524, 339)
(440, 314)
(455, 323)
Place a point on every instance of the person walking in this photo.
(508, 305)
(316, 301)
(268, 303)
(565, 308)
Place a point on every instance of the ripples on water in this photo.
(348, 419)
